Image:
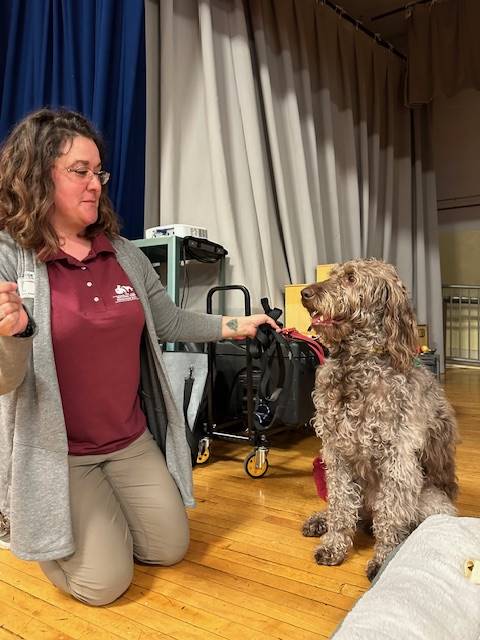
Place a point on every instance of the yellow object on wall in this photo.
(296, 316)
(323, 272)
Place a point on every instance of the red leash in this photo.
(319, 466)
(320, 477)
(314, 344)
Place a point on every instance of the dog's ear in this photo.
(400, 326)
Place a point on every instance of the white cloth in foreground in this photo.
(422, 593)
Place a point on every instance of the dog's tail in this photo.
(438, 456)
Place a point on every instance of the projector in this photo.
(180, 230)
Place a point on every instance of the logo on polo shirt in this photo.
(125, 293)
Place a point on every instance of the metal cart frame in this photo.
(256, 462)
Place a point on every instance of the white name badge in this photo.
(26, 285)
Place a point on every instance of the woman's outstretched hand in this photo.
(13, 317)
(245, 326)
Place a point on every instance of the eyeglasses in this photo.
(84, 175)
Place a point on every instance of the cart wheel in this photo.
(203, 454)
(255, 467)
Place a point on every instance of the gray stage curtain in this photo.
(209, 155)
(283, 130)
(443, 49)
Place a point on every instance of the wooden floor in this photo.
(249, 573)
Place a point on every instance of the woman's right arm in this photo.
(14, 351)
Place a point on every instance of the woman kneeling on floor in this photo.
(84, 486)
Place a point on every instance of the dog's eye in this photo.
(351, 278)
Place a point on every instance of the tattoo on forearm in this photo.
(233, 324)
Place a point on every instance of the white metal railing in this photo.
(461, 323)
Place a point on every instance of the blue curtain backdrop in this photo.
(88, 55)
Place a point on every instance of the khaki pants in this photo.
(124, 505)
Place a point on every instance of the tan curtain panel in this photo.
(443, 49)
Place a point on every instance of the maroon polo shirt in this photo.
(97, 322)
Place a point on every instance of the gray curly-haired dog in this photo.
(387, 429)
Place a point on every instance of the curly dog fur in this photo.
(387, 429)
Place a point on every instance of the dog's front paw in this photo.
(373, 567)
(315, 525)
(329, 554)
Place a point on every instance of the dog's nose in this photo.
(308, 293)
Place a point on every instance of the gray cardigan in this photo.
(34, 492)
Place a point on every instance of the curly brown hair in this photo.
(26, 185)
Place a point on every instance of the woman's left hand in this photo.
(245, 326)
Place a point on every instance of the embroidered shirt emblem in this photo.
(124, 293)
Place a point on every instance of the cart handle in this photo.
(230, 287)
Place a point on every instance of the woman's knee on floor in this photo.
(97, 586)
(109, 586)
(164, 550)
